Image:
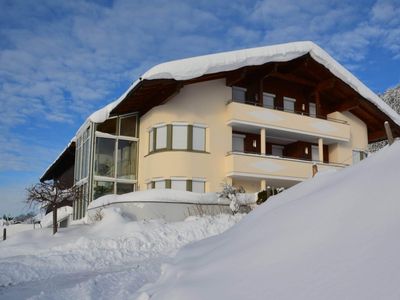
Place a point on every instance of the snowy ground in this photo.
(335, 236)
(109, 260)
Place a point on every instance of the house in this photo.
(255, 118)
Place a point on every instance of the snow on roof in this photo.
(190, 68)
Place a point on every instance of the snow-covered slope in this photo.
(333, 237)
(107, 260)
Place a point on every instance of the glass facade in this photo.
(105, 160)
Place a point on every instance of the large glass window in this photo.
(109, 126)
(288, 104)
(102, 188)
(199, 138)
(128, 126)
(126, 159)
(161, 137)
(105, 157)
(179, 136)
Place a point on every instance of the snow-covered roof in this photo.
(189, 68)
(194, 67)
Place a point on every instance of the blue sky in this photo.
(61, 60)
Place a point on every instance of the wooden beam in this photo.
(348, 105)
(326, 84)
(293, 78)
(317, 103)
(236, 76)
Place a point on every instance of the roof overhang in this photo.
(64, 161)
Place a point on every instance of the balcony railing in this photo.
(268, 166)
(253, 153)
(303, 113)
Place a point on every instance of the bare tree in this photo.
(50, 194)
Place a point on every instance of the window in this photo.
(288, 104)
(239, 94)
(268, 100)
(109, 126)
(312, 110)
(102, 188)
(128, 126)
(123, 188)
(159, 184)
(179, 136)
(277, 150)
(161, 137)
(198, 186)
(314, 153)
(151, 140)
(199, 138)
(126, 157)
(178, 184)
(104, 157)
(358, 156)
(238, 142)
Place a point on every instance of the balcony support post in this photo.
(263, 134)
(263, 185)
(321, 149)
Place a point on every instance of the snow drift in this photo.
(332, 237)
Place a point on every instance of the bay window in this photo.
(198, 186)
(179, 137)
(161, 137)
(199, 138)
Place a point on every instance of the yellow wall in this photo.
(342, 152)
(206, 103)
(202, 103)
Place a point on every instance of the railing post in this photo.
(321, 149)
(388, 132)
(263, 141)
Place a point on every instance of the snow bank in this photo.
(165, 196)
(331, 237)
(110, 259)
